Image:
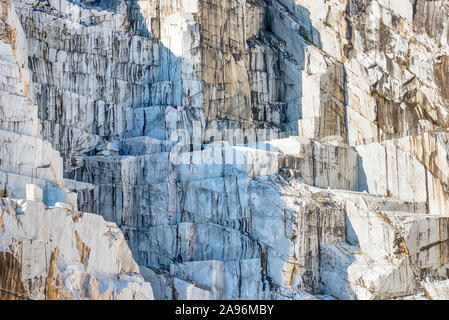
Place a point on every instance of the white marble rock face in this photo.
(257, 149)
(49, 249)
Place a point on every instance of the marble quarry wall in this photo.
(240, 149)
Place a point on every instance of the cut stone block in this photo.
(34, 193)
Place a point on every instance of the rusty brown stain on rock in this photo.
(293, 269)
(393, 120)
(76, 215)
(52, 291)
(6, 4)
(429, 18)
(83, 250)
(26, 90)
(386, 219)
(332, 109)
(8, 34)
(94, 289)
(401, 246)
(441, 73)
(3, 192)
(433, 244)
(230, 93)
(61, 185)
(11, 286)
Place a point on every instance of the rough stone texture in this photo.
(55, 253)
(48, 249)
(310, 137)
